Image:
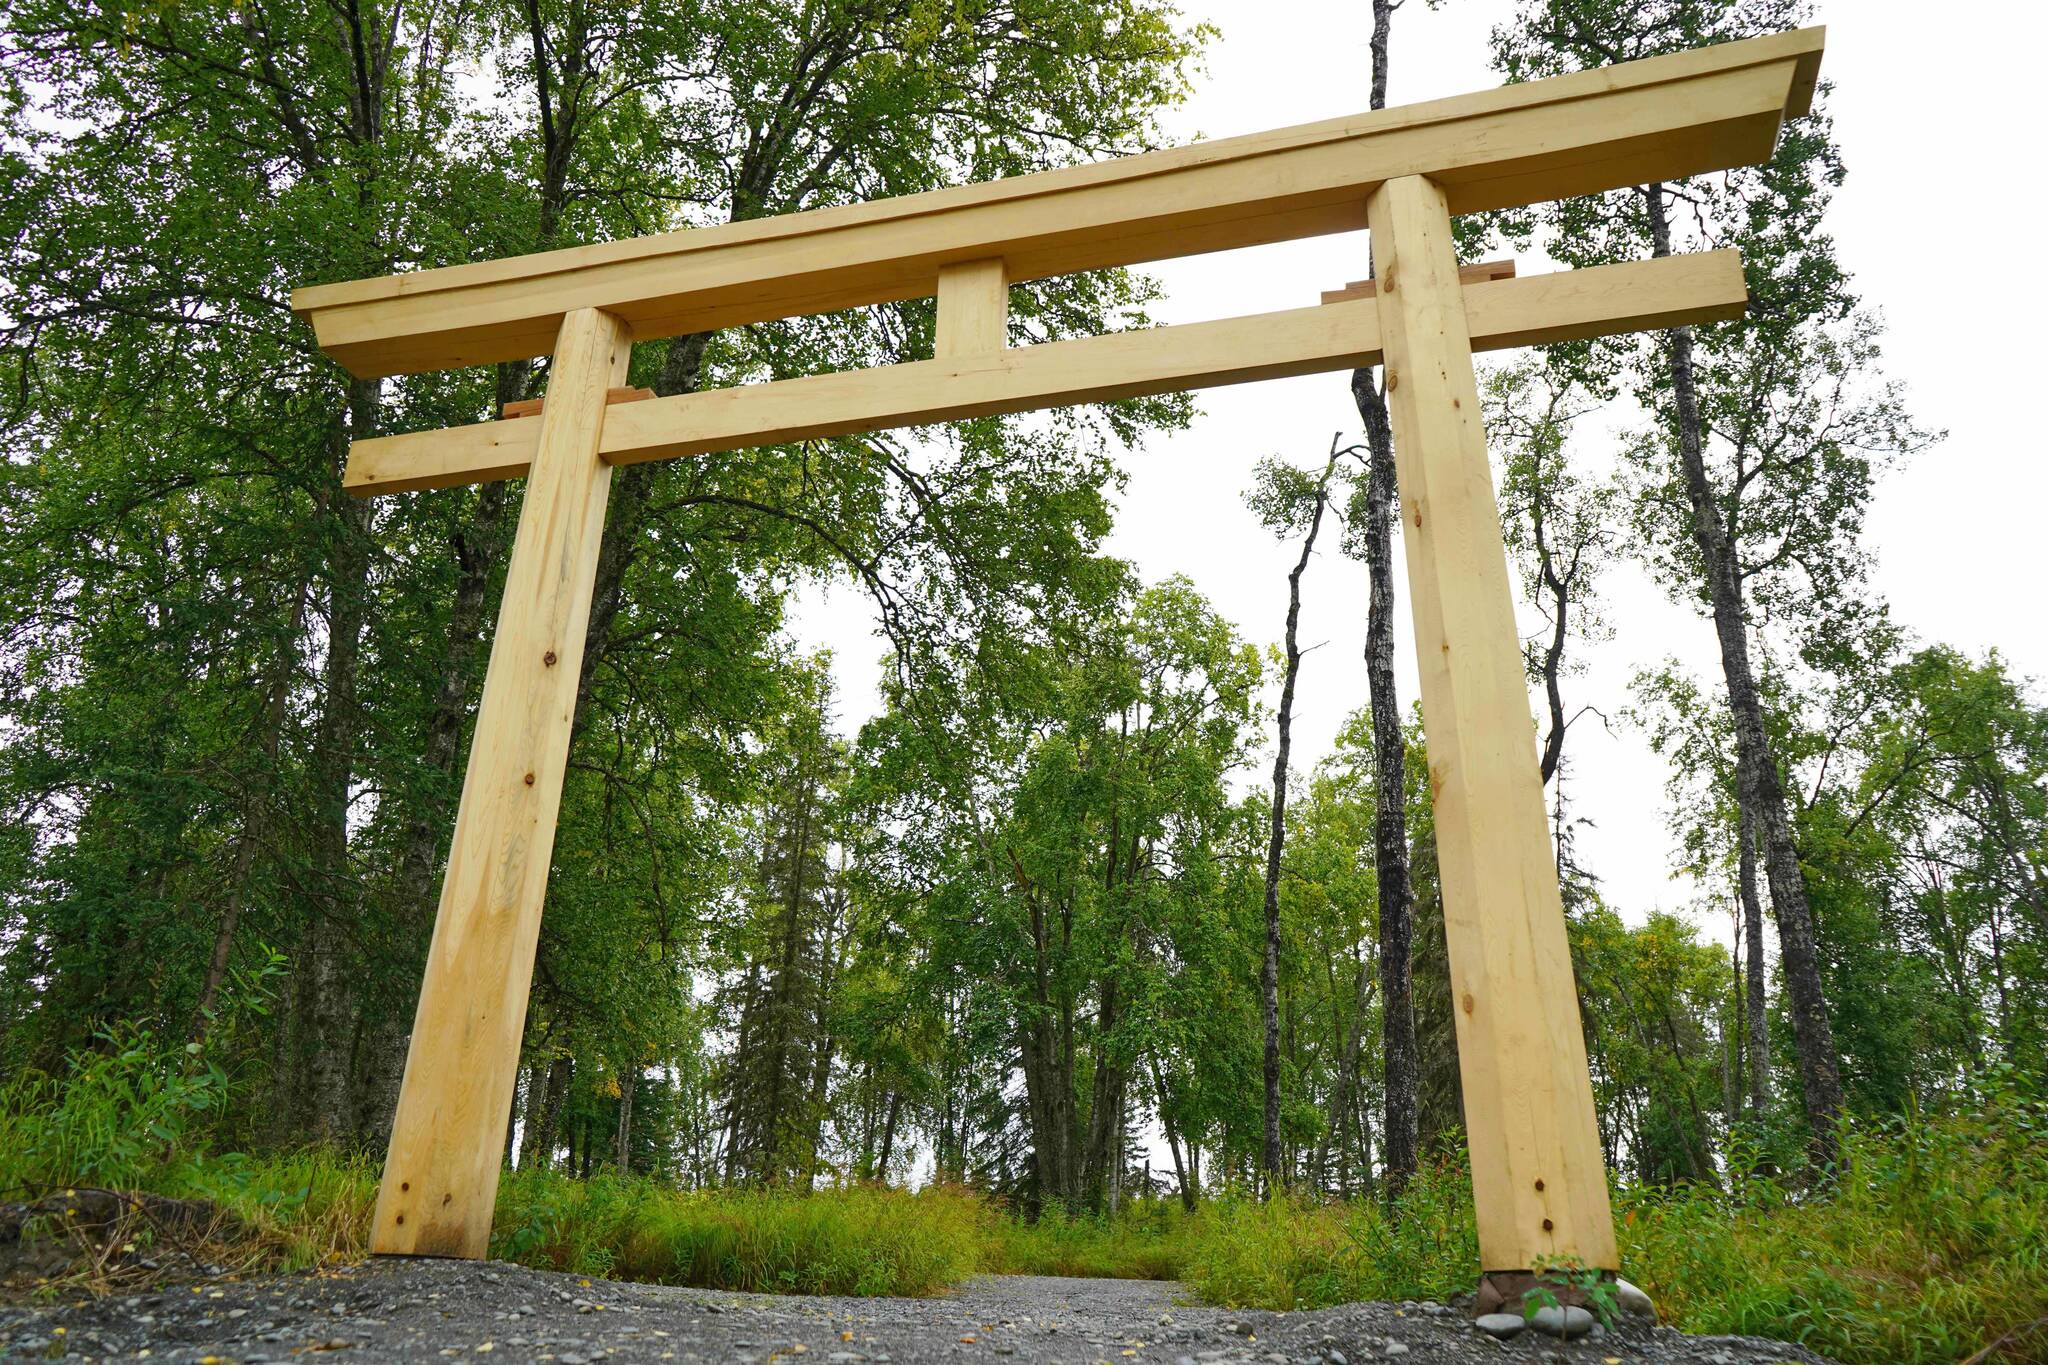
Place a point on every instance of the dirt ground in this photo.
(423, 1310)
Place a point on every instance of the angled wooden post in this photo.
(441, 1175)
(1538, 1178)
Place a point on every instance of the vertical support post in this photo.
(1538, 1177)
(974, 308)
(441, 1173)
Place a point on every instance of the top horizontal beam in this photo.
(1684, 114)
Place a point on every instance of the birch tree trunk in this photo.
(1758, 1026)
(622, 1139)
(1389, 751)
(1269, 975)
(1760, 789)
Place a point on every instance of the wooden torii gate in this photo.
(1537, 1171)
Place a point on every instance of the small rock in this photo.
(1502, 1325)
(1185, 1360)
(1558, 1321)
(1394, 1348)
(1634, 1300)
(1335, 1357)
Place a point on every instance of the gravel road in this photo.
(420, 1310)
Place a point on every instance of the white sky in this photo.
(1933, 121)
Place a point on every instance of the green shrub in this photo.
(131, 1106)
(121, 1114)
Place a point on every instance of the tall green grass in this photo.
(1147, 1240)
(1285, 1255)
(858, 1240)
(1932, 1245)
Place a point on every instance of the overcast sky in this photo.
(1936, 123)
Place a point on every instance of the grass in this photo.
(1283, 1255)
(1147, 1240)
(860, 1240)
(1932, 1243)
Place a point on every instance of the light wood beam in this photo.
(533, 407)
(441, 1174)
(1665, 117)
(1467, 274)
(1503, 313)
(1538, 1180)
(974, 309)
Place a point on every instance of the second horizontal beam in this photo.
(1500, 313)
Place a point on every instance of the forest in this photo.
(1064, 925)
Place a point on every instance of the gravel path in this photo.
(434, 1310)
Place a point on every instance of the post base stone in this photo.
(1502, 1291)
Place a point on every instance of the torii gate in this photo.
(1537, 1172)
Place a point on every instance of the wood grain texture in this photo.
(1505, 312)
(534, 407)
(974, 309)
(1467, 274)
(441, 1173)
(1662, 118)
(1538, 1179)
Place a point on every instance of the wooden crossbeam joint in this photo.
(974, 308)
(1481, 273)
(980, 381)
(533, 407)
